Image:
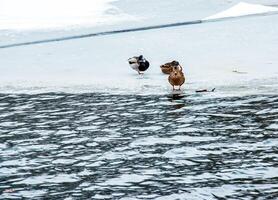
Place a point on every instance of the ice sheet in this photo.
(243, 9)
(53, 14)
(233, 56)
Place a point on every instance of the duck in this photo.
(139, 64)
(176, 77)
(167, 67)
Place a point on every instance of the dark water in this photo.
(79, 146)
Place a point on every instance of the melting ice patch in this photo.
(52, 14)
(242, 9)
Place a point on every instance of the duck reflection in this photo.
(176, 99)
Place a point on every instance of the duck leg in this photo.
(179, 87)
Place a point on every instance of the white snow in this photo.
(208, 52)
(57, 14)
(242, 9)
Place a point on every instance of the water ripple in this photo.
(100, 146)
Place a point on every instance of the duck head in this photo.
(177, 68)
(175, 71)
(175, 63)
(132, 60)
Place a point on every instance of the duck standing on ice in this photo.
(176, 77)
(139, 64)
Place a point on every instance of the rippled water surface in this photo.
(101, 146)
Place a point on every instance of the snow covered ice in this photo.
(209, 52)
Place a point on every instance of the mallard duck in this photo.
(139, 64)
(167, 67)
(176, 77)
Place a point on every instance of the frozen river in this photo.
(76, 122)
(209, 52)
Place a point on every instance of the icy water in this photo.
(103, 146)
(77, 123)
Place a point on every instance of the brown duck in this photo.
(168, 67)
(176, 77)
